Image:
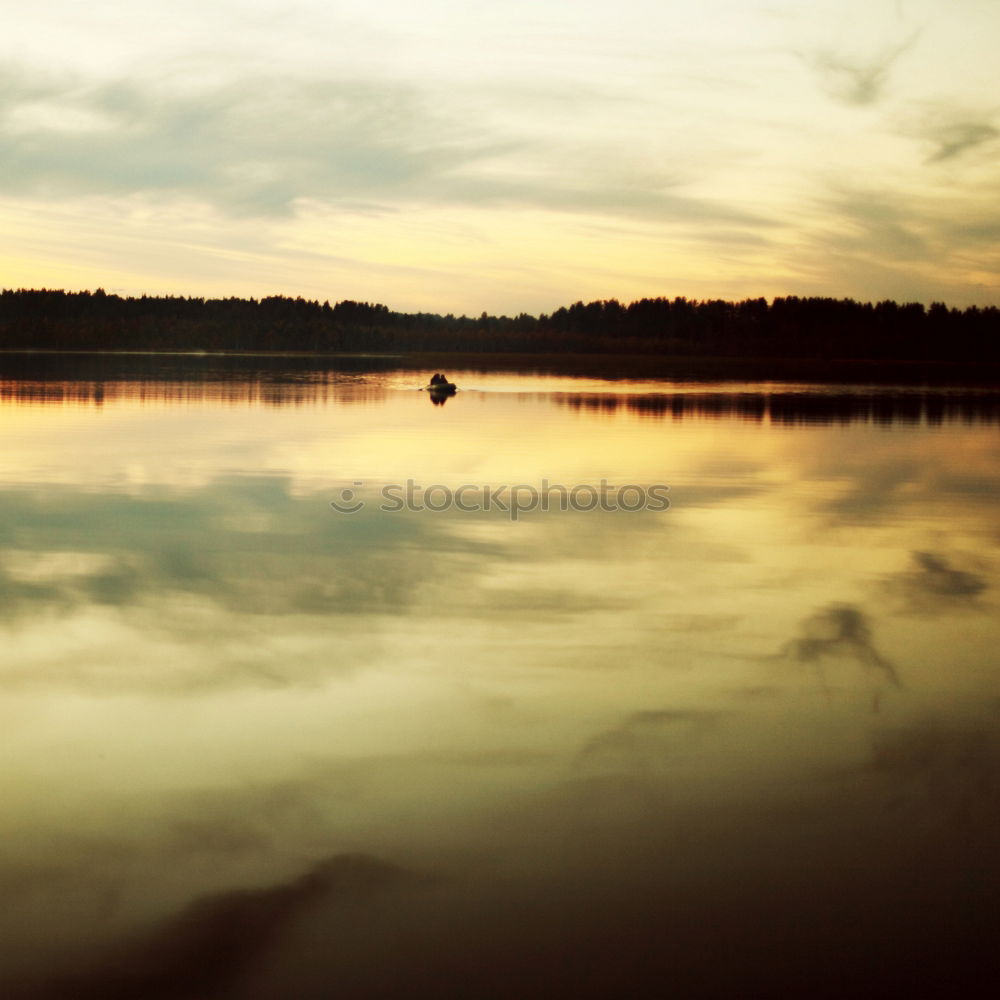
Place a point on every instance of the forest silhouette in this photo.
(788, 327)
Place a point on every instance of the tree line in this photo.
(786, 327)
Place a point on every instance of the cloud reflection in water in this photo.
(602, 731)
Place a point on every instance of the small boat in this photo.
(440, 386)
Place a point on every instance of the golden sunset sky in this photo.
(469, 155)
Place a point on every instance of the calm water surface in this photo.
(255, 747)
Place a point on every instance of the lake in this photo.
(313, 685)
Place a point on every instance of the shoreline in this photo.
(28, 363)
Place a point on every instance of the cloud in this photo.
(876, 490)
(259, 147)
(20, 598)
(858, 81)
(952, 130)
(248, 147)
(937, 577)
(262, 587)
(934, 586)
(837, 632)
(884, 227)
(203, 569)
(953, 140)
(215, 940)
(645, 740)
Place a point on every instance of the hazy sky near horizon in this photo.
(503, 156)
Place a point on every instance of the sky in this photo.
(515, 156)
